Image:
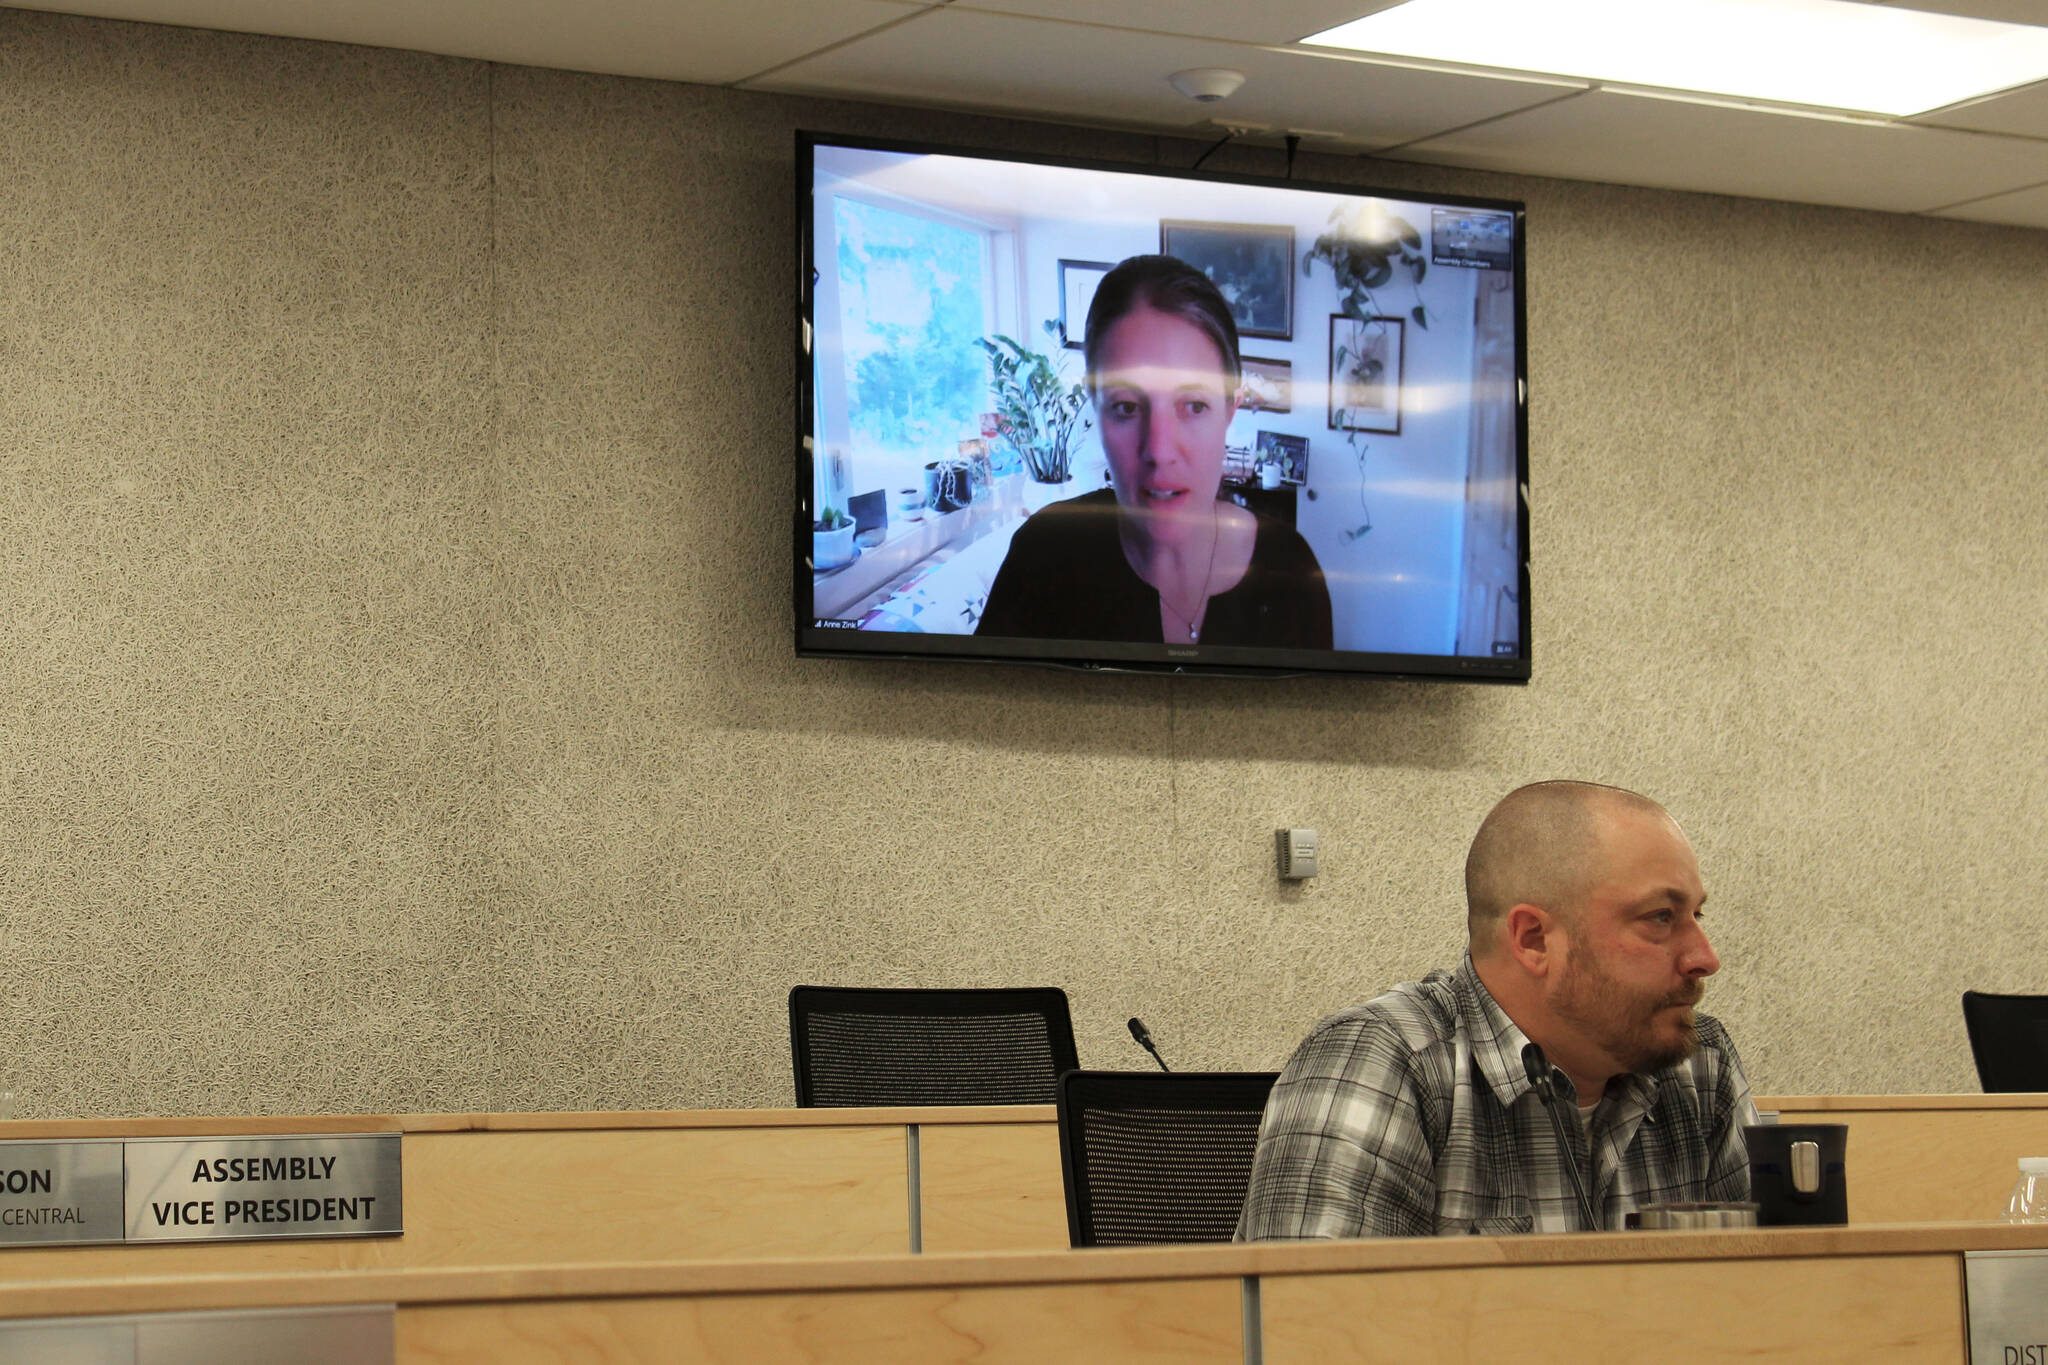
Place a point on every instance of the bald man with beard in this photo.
(1414, 1115)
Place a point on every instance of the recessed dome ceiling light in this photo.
(1207, 84)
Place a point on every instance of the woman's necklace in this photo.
(1193, 621)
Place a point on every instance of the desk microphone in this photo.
(1144, 1037)
(1538, 1067)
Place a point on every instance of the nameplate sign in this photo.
(2008, 1295)
(200, 1189)
(60, 1192)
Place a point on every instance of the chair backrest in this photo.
(1151, 1157)
(877, 1047)
(2009, 1039)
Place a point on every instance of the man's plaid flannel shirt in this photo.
(1412, 1115)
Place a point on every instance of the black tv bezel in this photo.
(836, 642)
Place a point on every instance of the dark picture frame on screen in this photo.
(1367, 367)
(1288, 453)
(1077, 290)
(1268, 385)
(1250, 264)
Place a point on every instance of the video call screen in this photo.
(1301, 445)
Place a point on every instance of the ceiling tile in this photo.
(2003, 11)
(970, 59)
(1105, 62)
(2023, 208)
(713, 43)
(1675, 144)
(1275, 21)
(2023, 112)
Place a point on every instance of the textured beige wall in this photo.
(396, 703)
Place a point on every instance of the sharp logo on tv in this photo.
(1029, 429)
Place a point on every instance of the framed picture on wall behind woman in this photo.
(1366, 362)
(1077, 289)
(1251, 266)
(1268, 386)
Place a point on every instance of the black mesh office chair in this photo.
(1151, 1157)
(877, 1047)
(2009, 1039)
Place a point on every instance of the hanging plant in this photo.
(1366, 248)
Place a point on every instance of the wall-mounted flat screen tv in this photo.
(1136, 418)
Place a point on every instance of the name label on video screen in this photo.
(200, 1189)
(2008, 1294)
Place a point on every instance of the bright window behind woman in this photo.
(913, 297)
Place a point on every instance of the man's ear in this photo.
(1535, 939)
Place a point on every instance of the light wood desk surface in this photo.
(1927, 1158)
(1877, 1294)
(597, 1120)
(511, 1189)
(514, 1189)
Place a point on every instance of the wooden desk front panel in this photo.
(1932, 1165)
(1912, 1159)
(1185, 1322)
(992, 1187)
(554, 1196)
(1894, 1310)
(1889, 1296)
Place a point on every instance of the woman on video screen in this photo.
(1158, 556)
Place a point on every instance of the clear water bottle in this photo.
(2028, 1202)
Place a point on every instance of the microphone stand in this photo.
(1538, 1067)
(1144, 1037)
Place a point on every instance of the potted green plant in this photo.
(1269, 469)
(832, 540)
(1040, 414)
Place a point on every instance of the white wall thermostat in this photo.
(1297, 853)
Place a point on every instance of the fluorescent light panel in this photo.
(1833, 54)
